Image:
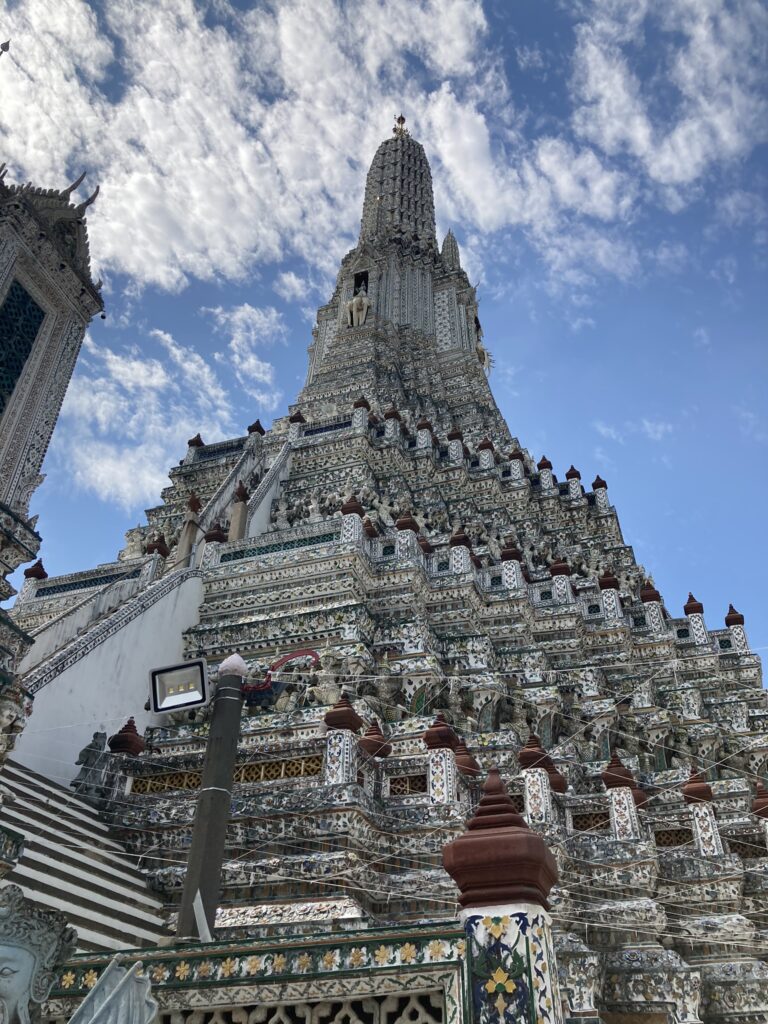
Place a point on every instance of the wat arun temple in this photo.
(480, 769)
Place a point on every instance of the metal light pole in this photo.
(206, 854)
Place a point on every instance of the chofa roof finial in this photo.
(400, 129)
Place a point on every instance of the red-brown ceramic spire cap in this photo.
(697, 790)
(486, 445)
(425, 546)
(373, 742)
(440, 735)
(559, 568)
(362, 403)
(459, 539)
(196, 442)
(734, 618)
(256, 428)
(465, 762)
(598, 483)
(392, 414)
(617, 775)
(407, 522)
(692, 606)
(127, 740)
(499, 861)
(608, 581)
(511, 554)
(216, 534)
(424, 424)
(352, 507)
(296, 417)
(36, 571)
(194, 504)
(369, 529)
(649, 593)
(343, 716)
(573, 473)
(158, 547)
(241, 492)
(517, 455)
(454, 434)
(760, 802)
(543, 463)
(533, 755)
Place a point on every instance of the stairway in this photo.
(69, 863)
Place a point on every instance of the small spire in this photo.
(440, 735)
(36, 571)
(692, 606)
(373, 742)
(343, 715)
(697, 790)
(734, 618)
(400, 130)
(127, 740)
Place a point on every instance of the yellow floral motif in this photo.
(67, 979)
(357, 957)
(205, 969)
(278, 962)
(496, 926)
(182, 970)
(436, 949)
(382, 955)
(500, 981)
(407, 953)
(90, 978)
(228, 967)
(253, 965)
(461, 947)
(329, 959)
(159, 973)
(304, 962)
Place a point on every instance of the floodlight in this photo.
(179, 687)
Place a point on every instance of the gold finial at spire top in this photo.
(400, 128)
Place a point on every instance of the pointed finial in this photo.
(5, 47)
(399, 130)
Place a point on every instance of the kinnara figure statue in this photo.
(357, 308)
(33, 942)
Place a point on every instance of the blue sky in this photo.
(602, 164)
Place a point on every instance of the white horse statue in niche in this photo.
(357, 308)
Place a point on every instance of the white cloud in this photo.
(248, 327)
(655, 430)
(701, 336)
(710, 87)
(529, 58)
(609, 432)
(751, 426)
(125, 419)
(671, 257)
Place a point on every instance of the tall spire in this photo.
(398, 191)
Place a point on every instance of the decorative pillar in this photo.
(600, 491)
(540, 779)
(341, 753)
(441, 741)
(706, 836)
(238, 517)
(512, 569)
(455, 445)
(735, 622)
(609, 589)
(352, 513)
(624, 797)
(460, 546)
(190, 530)
(560, 572)
(192, 445)
(695, 611)
(486, 454)
(505, 872)
(424, 436)
(361, 410)
(407, 546)
(517, 465)
(295, 423)
(546, 477)
(392, 425)
(654, 616)
(575, 490)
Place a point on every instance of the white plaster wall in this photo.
(107, 686)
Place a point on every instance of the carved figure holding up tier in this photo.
(357, 308)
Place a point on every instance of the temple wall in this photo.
(106, 686)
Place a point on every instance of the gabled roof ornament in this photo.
(67, 192)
